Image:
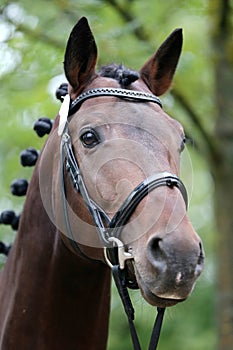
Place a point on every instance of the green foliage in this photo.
(32, 44)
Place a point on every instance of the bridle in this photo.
(109, 230)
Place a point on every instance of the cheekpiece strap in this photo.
(139, 96)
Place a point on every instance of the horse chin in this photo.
(147, 294)
(155, 300)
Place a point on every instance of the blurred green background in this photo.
(32, 43)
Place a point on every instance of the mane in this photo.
(123, 75)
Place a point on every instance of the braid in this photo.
(123, 75)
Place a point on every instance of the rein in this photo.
(108, 230)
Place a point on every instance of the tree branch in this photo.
(209, 141)
(127, 15)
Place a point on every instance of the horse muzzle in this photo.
(168, 271)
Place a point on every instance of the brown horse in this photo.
(55, 285)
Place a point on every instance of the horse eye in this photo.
(89, 139)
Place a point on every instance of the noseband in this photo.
(109, 230)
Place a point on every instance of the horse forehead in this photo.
(131, 116)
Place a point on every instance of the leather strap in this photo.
(120, 281)
(129, 95)
(127, 208)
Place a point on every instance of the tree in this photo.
(222, 165)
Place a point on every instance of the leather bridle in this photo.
(109, 230)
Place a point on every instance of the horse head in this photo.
(118, 142)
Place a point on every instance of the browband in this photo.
(121, 93)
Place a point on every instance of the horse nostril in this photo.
(201, 255)
(155, 247)
(156, 254)
(200, 261)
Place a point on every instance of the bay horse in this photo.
(105, 192)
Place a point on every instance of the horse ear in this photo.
(80, 55)
(157, 73)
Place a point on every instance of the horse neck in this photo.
(51, 298)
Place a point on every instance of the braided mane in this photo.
(123, 75)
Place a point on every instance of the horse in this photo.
(105, 192)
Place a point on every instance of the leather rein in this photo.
(109, 230)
